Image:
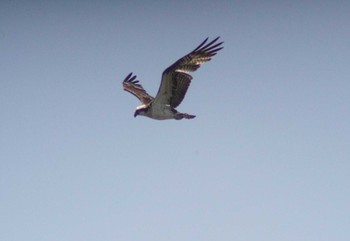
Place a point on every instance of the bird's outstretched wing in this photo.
(176, 78)
(132, 86)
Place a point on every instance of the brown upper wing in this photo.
(176, 80)
(132, 86)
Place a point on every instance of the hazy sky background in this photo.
(267, 158)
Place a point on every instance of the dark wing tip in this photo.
(211, 47)
(199, 46)
(131, 79)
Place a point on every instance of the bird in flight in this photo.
(175, 82)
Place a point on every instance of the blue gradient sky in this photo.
(267, 157)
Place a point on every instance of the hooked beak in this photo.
(135, 114)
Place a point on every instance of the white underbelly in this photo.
(162, 113)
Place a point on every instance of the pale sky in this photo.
(266, 158)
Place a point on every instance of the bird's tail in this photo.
(180, 116)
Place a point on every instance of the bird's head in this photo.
(137, 112)
(140, 110)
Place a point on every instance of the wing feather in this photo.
(132, 86)
(176, 78)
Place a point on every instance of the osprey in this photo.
(174, 84)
